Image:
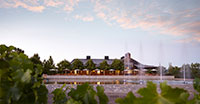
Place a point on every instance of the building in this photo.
(96, 61)
(129, 63)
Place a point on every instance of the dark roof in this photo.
(145, 66)
(138, 65)
(96, 61)
(135, 63)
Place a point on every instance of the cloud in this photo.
(31, 8)
(84, 18)
(40, 5)
(30, 5)
(53, 3)
(69, 5)
(180, 19)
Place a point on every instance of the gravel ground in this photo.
(114, 91)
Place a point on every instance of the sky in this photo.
(153, 31)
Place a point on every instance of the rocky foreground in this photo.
(114, 91)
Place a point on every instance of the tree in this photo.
(18, 50)
(64, 65)
(49, 64)
(77, 64)
(195, 68)
(117, 64)
(104, 65)
(36, 59)
(174, 71)
(90, 65)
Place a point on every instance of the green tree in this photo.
(64, 64)
(104, 65)
(195, 68)
(49, 64)
(18, 50)
(36, 59)
(90, 65)
(20, 81)
(77, 64)
(174, 70)
(117, 64)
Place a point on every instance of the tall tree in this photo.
(49, 64)
(117, 64)
(64, 64)
(195, 68)
(174, 71)
(36, 59)
(77, 64)
(104, 65)
(90, 65)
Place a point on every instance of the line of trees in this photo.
(191, 70)
(77, 64)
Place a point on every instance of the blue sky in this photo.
(153, 31)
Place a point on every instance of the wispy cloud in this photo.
(181, 18)
(40, 5)
(31, 8)
(30, 5)
(53, 3)
(69, 5)
(84, 18)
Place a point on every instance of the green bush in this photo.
(84, 94)
(21, 82)
(168, 95)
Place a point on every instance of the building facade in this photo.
(129, 63)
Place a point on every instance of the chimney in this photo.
(106, 57)
(88, 57)
(128, 55)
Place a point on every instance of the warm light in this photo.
(117, 82)
(98, 83)
(129, 71)
(98, 72)
(117, 71)
(87, 72)
(74, 82)
(75, 72)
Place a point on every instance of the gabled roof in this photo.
(135, 63)
(96, 61)
(138, 65)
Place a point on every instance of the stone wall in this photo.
(101, 77)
